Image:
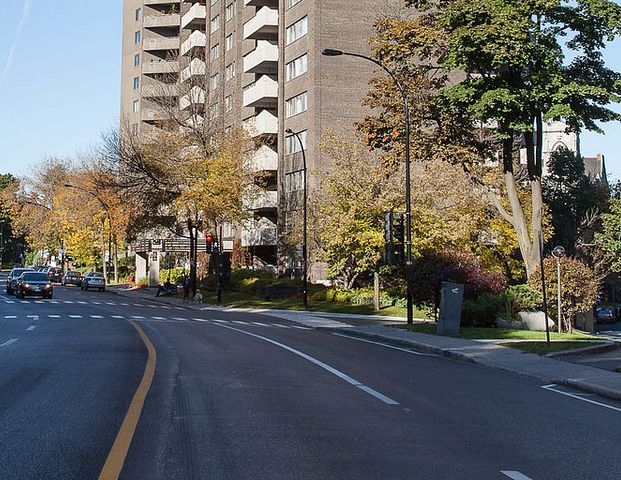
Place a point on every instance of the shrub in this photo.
(142, 283)
(176, 275)
(250, 281)
(524, 297)
(482, 311)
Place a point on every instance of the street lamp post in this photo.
(305, 227)
(408, 205)
(558, 252)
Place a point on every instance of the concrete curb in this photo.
(606, 345)
(589, 387)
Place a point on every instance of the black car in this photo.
(55, 274)
(34, 284)
(72, 278)
(11, 281)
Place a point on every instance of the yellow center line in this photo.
(116, 458)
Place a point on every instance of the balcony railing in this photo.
(262, 124)
(195, 68)
(265, 200)
(261, 94)
(159, 67)
(259, 233)
(264, 160)
(161, 43)
(263, 59)
(157, 21)
(263, 26)
(197, 39)
(195, 99)
(261, 3)
(196, 17)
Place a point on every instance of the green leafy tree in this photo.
(609, 239)
(505, 71)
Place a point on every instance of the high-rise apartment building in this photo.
(256, 64)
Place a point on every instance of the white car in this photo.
(94, 280)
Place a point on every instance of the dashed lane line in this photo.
(53, 316)
(96, 316)
(75, 316)
(319, 363)
(31, 328)
(10, 317)
(9, 342)
(118, 317)
(261, 324)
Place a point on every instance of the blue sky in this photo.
(60, 73)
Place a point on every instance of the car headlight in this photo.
(26, 285)
(47, 286)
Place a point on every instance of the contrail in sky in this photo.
(20, 26)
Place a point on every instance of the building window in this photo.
(297, 67)
(214, 110)
(297, 30)
(215, 23)
(296, 105)
(229, 42)
(291, 3)
(213, 81)
(228, 103)
(136, 83)
(136, 106)
(138, 37)
(292, 145)
(229, 13)
(134, 129)
(136, 59)
(138, 14)
(229, 71)
(214, 53)
(294, 181)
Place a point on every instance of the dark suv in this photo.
(11, 281)
(55, 274)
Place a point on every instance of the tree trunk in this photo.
(103, 250)
(193, 238)
(376, 291)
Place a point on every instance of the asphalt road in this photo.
(247, 396)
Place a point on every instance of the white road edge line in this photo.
(31, 328)
(515, 475)
(577, 397)
(319, 363)
(8, 342)
(386, 345)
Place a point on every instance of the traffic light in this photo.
(210, 241)
(394, 236)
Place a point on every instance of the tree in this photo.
(572, 199)
(504, 72)
(609, 239)
(580, 287)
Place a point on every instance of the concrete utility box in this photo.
(452, 296)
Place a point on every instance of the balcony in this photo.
(264, 160)
(161, 21)
(263, 124)
(259, 233)
(196, 40)
(160, 44)
(261, 94)
(161, 90)
(152, 115)
(196, 68)
(264, 200)
(161, 67)
(195, 18)
(263, 26)
(162, 2)
(261, 3)
(194, 99)
(263, 59)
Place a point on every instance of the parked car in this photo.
(34, 284)
(55, 274)
(94, 280)
(606, 314)
(72, 278)
(11, 281)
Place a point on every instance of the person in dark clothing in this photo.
(186, 289)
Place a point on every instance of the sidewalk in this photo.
(549, 370)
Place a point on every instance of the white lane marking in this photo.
(95, 303)
(9, 342)
(117, 316)
(179, 308)
(75, 316)
(385, 345)
(158, 318)
(81, 302)
(34, 317)
(261, 324)
(578, 397)
(137, 317)
(300, 327)
(53, 316)
(279, 325)
(68, 301)
(96, 316)
(110, 303)
(165, 307)
(31, 328)
(219, 321)
(9, 301)
(39, 301)
(10, 316)
(515, 475)
(136, 304)
(239, 322)
(201, 320)
(319, 363)
(124, 304)
(55, 302)
(181, 319)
